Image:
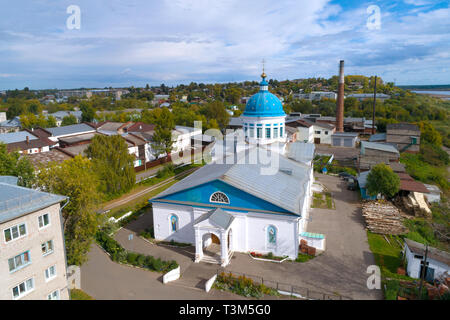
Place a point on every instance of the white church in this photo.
(237, 206)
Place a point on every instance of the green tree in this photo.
(68, 120)
(382, 179)
(216, 110)
(113, 164)
(51, 122)
(429, 134)
(76, 179)
(88, 112)
(14, 164)
(162, 142)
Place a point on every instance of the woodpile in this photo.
(383, 218)
(304, 248)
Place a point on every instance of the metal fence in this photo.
(293, 291)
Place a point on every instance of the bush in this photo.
(132, 258)
(140, 261)
(242, 286)
(119, 254)
(167, 170)
(157, 264)
(149, 262)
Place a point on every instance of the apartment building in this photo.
(32, 252)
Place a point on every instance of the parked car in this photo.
(351, 186)
(344, 175)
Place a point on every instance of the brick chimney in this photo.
(28, 140)
(340, 100)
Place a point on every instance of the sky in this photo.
(139, 42)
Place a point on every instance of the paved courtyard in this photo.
(341, 269)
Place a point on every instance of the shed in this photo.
(344, 139)
(434, 194)
(438, 261)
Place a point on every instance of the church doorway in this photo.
(215, 239)
(211, 248)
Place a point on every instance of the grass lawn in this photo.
(303, 257)
(77, 294)
(129, 206)
(388, 256)
(320, 202)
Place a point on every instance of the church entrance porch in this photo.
(213, 237)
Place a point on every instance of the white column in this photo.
(224, 249)
(198, 246)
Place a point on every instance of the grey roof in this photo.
(217, 217)
(203, 175)
(9, 180)
(235, 121)
(14, 122)
(397, 167)
(378, 137)
(72, 129)
(402, 126)
(432, 188)
(368, 95)
(18, 201)
(14, 137)
(433, 253)
(378, 146)
(184, 129)
(345, 134)
(284, 188)
(301, 151)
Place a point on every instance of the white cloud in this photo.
(198, 40)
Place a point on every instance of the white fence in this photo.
(210, 282)
(172, 275)
(122, 217)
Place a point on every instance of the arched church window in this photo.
(272, 235)
(219, 197)
(173, 223)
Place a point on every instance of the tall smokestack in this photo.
(340, 100)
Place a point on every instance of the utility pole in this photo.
(422, 275)
(374, 103)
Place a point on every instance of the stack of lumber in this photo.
(383, 218)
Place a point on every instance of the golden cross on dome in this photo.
(263, 74)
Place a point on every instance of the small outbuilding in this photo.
(437, 264)
(344, 139)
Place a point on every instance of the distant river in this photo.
(447, 93)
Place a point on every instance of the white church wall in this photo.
(249, 230)
(162, 225)
(287, 236)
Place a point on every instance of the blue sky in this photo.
(124, 43)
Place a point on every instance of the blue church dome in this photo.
(264, 103)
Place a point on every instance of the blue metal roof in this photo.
(312, 235)
(377, 137)
(13, 137)
(284, 188)
(18, 201)
(377, 146)
(264, 103)
(72, 129)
